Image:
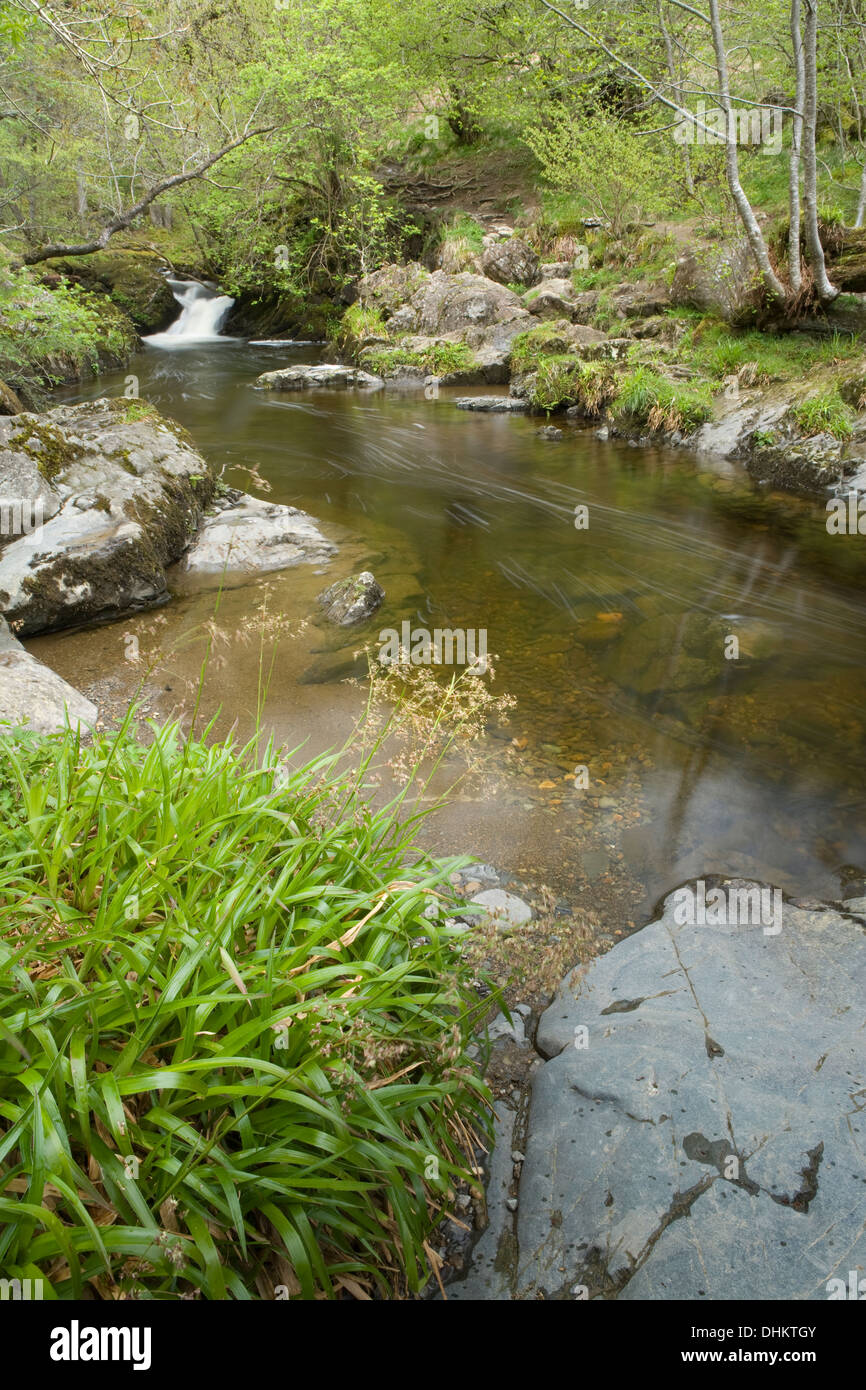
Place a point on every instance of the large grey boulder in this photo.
(467, 304)
(243, 535)
(118, 493)
(392, 286)
(720, 280)
(510, 262)
(552, 299)
(699, 1129)
(35, 698)
(321, 375)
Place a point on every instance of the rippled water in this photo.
(612, 638)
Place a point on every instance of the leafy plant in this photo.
(232, 1049)
(824, 412)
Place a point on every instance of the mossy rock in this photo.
(133, 280)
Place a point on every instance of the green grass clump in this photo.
(50, 335)
(460, 244)
(360, 321)
(644, 397)
(232, 1050)
(545, 340)
(437, 360)
(824, 413)
(561, 381)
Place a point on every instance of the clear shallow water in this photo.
(697, 764)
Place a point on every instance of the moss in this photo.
(50, 450)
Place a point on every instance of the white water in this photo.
(201, 315)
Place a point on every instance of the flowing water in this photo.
(613, 639)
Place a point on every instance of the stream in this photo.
(607, 637)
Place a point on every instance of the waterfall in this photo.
(201, 314)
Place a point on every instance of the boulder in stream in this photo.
(244, 535)
(352, 601)
(98, 499)
(329, 375)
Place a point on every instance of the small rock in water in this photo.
(549, 432)
(351, 601)
(507, 910)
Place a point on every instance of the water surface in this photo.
(613, 639)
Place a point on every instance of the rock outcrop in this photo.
(697, 1131)
(101, 498)
(34, 698)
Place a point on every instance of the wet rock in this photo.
(35, 698)
(123, 492)
(134, 280)
(703, 1141)
(352, 601)
(510, 262)
(507, 910)
(549, 432)
(325, 375)
(243, 535)
(491, 404)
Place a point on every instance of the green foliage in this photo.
(232, 1050)
(618, 175)
(644, 397)
(437, 360)
(359, 322)
(825, 412)
(47, 335)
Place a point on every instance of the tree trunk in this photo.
(773, 286)
(815, 251)
(795, 272)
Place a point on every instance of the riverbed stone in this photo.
(698, 1129)
(352, 601)
(34, 698)
(123, 490)
(243, 535)
(491, 405)
(322, 375)
(507, 910)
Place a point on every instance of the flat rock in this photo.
(707, 1140)
(507, 910)
(324, 375)
(244, 535)
(35, 698)
(491, 404)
